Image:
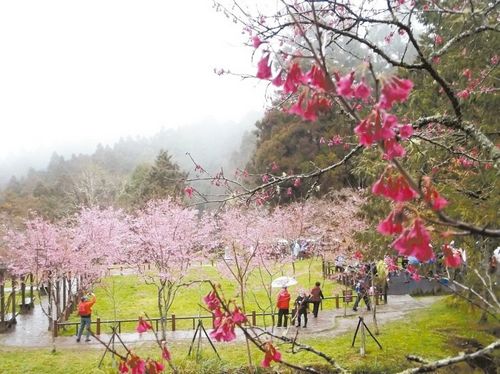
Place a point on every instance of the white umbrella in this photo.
(283, 282)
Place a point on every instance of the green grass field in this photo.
(127, 296)
(432, 333)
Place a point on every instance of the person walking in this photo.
(362, 290)
(316, 297)
(283, 305)
(301, 308)
(85, 312)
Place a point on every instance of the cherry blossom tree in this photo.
(246, 234)
(42, 249)
(100, 235)
(170, 237)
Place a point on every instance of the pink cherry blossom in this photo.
(265, 178)
(189, 191)
(439, 202)
(390, 264)
(335, 140)
(393, 224)
(432, 196)
(155, 367)
(238, 317)
(139, 367)
(314, 105)
(344, 85)
(256, 42)
(274, 166)
(415, 242)
(376, 127)
(271, 354)
(293, 79)
(263, 68)
(316, 78)
(465, 162)
(394, 187)
(165, 353)
(392, 149)
(123, 368)
(438, 40)
(143, 326)
(362, 91)
(278, 79)
(358, 255)
(464, 94)
(297, 108)
(212, 301)
(297, 182)
(452, 257)
(405, 131)
(289, 191)
(225, 330)
(395, 90)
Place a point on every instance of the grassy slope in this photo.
(427, 333)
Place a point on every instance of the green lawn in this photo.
(128, 296)
(431, 333)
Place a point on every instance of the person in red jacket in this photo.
(85, 312)
(283, 305)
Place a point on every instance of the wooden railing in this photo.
(173, 320)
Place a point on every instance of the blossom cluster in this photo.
(270, 354)
(314, 90)
(136, 365)
(225, 321)
(143, 326)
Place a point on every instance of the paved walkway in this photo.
(329, 323)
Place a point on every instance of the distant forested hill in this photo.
(129, 172)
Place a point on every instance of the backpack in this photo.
(82, 309)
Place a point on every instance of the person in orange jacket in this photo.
(85, 312)
(283, 305)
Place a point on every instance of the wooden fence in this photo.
(339, 301)
(14, 301)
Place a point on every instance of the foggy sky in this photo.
(94, 71)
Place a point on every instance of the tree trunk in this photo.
(374, 306)
(249, 354)
(163, 316)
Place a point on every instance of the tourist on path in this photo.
(301, 308)
(85, 312)
(283, 305)
(316, 296)
(362, 290)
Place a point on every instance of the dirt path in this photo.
(329, 323)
